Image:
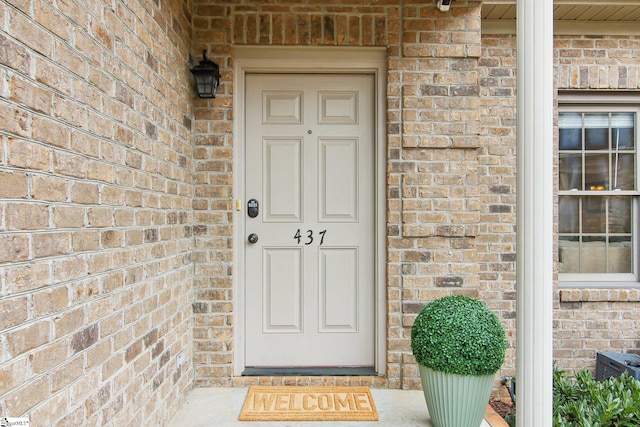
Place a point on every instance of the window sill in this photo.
(619, 294)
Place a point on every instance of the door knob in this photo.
(253, 238)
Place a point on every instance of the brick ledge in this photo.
(599, 295)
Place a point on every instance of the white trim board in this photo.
(598, 98)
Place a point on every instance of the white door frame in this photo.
(268, 59)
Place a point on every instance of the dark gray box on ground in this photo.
(614, 364)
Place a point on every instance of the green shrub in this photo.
(581, 401)
(458, 335)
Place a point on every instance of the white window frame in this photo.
(588, 102)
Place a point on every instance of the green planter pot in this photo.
(455, 400)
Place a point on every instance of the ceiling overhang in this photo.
(571, 17)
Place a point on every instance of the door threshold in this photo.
(311, 372)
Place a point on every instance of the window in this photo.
(598, 189)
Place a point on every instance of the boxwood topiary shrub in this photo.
(458, 335)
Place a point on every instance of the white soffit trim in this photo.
(567, 28)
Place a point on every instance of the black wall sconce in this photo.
(207, 75)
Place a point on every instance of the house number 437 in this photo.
(308, 238)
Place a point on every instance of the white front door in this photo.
(310, 287)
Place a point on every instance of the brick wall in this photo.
(433, 214)
(116, 188)
(592, 320)
(433, 127)
(451, 158)
(598, 63)
(96, 189)
(497, 185)
(216, 28)
(589, 320)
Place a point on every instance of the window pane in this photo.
(622, 131)
(570, 139)
(619, 256)
(623, 138)
(620, 214)
(570, 131)
(596, 133)
(593, 255)
(569, 254)
(568, 214)
(593, 215)
(571, 171)
(596, 138)
(623, 172)
(596, 172)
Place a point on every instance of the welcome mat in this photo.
(298, 403)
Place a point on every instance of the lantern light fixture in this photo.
(207, 75)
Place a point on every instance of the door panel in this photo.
(309, 291)
(338, 192)
(338, 107)
(282, 107)
(282, 290)
(282, 178)
(339, 290)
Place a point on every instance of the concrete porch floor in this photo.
(208, 407)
